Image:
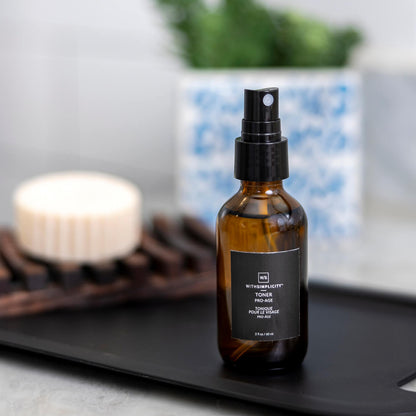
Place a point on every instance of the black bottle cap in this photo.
(261, 105)
(261, 152)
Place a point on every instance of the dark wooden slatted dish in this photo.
(175, 260)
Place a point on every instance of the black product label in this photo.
(265, 295)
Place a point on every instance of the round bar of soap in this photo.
(83, 217)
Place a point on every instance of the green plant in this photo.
(244, 33)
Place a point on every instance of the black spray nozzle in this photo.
(261, 105)
(261, 151)
(261, 121)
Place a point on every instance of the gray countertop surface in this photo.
(382, 258)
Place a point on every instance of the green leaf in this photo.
(238, 34)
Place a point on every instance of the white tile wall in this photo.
(85, 84)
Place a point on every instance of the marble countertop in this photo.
(33, 385)
(382, 259)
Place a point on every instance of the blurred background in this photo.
(99, 86)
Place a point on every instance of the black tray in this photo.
(362, 346)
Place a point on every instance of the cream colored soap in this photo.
(83, 217)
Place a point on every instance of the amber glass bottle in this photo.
(262, 250)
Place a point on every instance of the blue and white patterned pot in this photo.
(321, 117)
